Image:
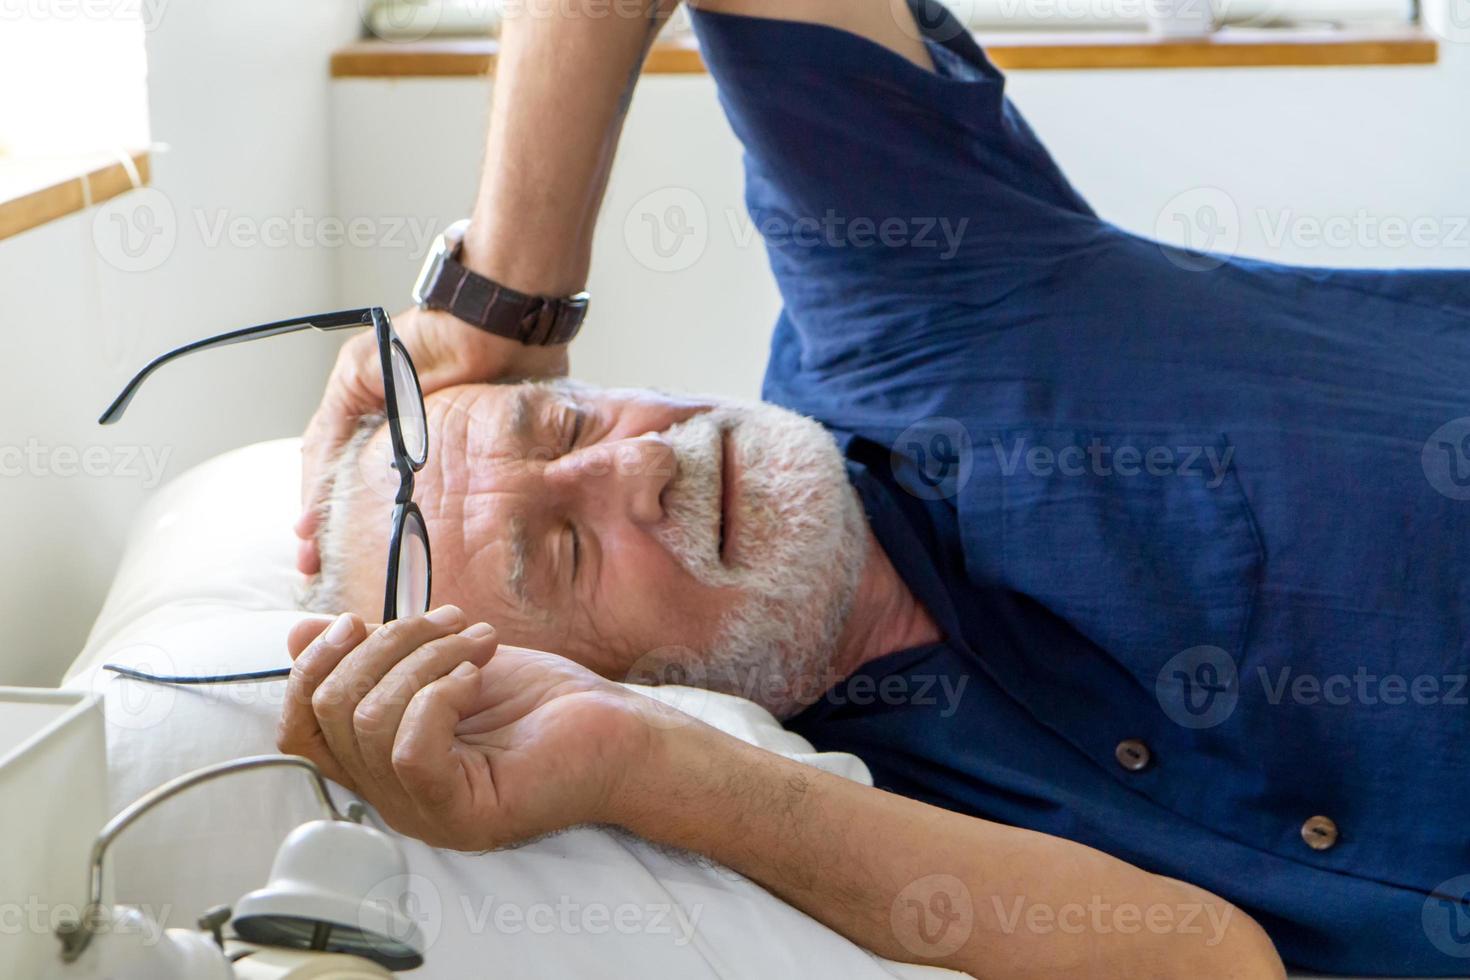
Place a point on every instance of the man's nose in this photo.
(626, 478)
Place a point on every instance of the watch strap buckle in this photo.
(538, 322)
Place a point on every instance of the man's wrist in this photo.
(458, 352)
(669, 769)
(519, 263)
(514, 360)
(692, 786)
(502, 303)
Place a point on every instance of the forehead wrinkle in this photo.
(465, 493)
(487, 543)
(506, 430)
(493, 447)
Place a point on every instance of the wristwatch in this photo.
(537, 321)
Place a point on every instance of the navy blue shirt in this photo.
(1196, 529)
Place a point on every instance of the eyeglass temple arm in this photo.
(324, 321)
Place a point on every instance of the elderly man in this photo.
(642, 536)
(1078, 541)
(710, 542)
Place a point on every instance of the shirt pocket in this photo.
(1143, 542)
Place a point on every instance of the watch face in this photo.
(433, 265)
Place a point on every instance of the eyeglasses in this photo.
(410, 574)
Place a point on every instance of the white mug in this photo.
(1180, 18)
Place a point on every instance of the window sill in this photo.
(1227, 48)
(35, 191)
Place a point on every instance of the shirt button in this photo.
(1133, 754)
(1320, 833)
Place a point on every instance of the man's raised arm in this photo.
(563, 82)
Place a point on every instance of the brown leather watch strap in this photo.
(536, 321)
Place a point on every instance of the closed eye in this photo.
(578, 418)
(567, 556)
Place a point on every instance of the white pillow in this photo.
(206, 586)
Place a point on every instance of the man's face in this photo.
(625, 529)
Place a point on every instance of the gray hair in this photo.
(325, 592)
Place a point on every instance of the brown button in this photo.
(1133, 755)
(1320, 833)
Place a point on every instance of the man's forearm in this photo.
(564, 77)
(917, 883)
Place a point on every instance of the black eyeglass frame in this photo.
(404, 509)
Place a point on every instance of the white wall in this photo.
(240, 93)
(1359, 151)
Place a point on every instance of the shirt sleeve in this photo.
(894, 200)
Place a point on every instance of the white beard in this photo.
(801, 546)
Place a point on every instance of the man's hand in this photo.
(445, 351)
(454, 741)
(467, 746)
